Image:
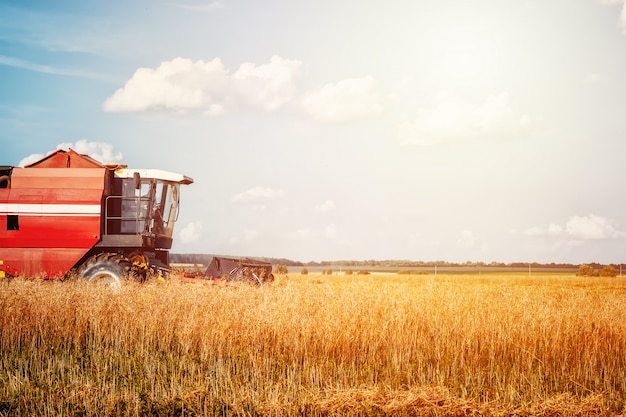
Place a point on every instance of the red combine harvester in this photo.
(69, 212)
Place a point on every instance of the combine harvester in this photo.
(70, 215)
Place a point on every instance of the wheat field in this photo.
(377, 345)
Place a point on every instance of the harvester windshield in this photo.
(151, 208)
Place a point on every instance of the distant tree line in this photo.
(205, 259)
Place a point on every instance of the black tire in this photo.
(109, 269)
(5, 181)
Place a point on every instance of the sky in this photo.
(483, 131)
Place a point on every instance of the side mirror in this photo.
(137, 180)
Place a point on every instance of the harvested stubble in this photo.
(314, 345)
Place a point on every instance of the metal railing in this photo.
(132, 217)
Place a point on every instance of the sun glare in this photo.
(463, 59)
(464, 50)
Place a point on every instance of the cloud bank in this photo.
(453, 119)
(183, 85)
(588, 227)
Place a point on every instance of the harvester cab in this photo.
(149, 202)
(140, 211)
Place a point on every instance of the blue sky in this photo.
(423, 129)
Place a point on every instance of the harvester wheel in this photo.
(109, 269)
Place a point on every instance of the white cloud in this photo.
(30, 159)
(100, 151)
(326, 206)
(267, 86)
(452, 118)
(592, 227)
(191, 232)
(257, 193)
(589, 227)
(346, 100)
(179, 84)
(183, 85)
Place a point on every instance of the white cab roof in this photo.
(153, 174)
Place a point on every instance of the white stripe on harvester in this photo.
(50, 209)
